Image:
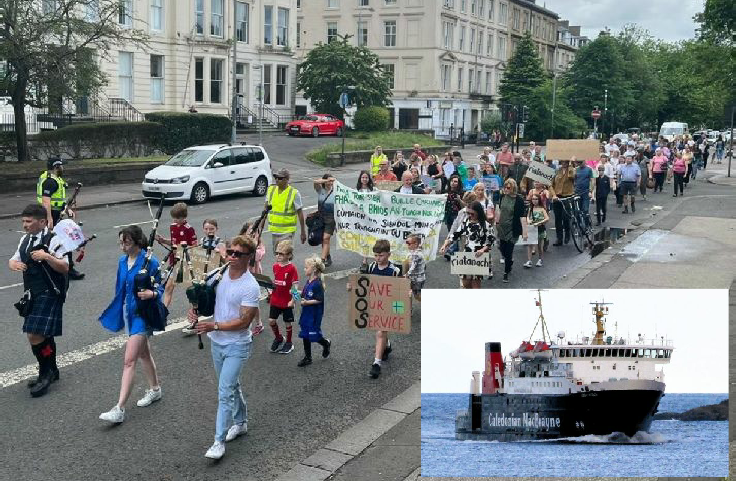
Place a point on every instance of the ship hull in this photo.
(519, 417)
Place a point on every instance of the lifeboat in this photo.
(522, 349)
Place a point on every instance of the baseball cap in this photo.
(281, 173)
(54, 161)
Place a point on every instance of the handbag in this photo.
(315, 228)
(650, 183)
(25, 304)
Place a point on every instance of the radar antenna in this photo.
(599, 310)
(540, 319)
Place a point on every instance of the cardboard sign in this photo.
(540, 172)
(491, 183)
(391, 185)
(380, 303)
(465, 263)
(198, 256)
(566, 149)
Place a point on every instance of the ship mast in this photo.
(600, 323)
(540, 320)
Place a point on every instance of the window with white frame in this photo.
(268, 24)
(242, 14)
(93, 11)
(489, 46)
(216, 18)
(499, 75)
(331, 31)
(298, 3)
(516, 18)
(473, 7)
(157, 78)
(125, 75)
(448, 34)
(282, 34)
(471, 76)
(267, 84)
(389, 33)
(481, 8)
(125, 13)
(477, 80)
(502, 48)
(332, 4)
(446, 76)
(216, 80)
(362, 3)
(390, 2)
(472, 41)
(199, 80)
(157, 15)
(491, 9)
(449, 3)
(389, 70)
(480, 42)
(460, 79)
(298, 34)
(489, 76)
(503, 13)
(199, 16)
(463, 4)
(362, 34)
(462, 38)
(281, 76)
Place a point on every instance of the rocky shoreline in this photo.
(712, 412)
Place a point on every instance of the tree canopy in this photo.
(523, 73)
(330, 67)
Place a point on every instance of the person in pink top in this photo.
(680, 168)
(659, 169)
(505, 160)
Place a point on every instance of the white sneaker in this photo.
(216, 451)
(235, 431)
(528, 264)
(539, 263)
(151, 396)
(114, 415)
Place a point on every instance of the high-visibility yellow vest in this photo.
(376, 162)
(282, 216)
(58, 198)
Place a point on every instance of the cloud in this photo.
(658, 16)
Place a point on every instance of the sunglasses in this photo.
(236, 254)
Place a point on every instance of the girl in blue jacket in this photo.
(313, 307)
(123, 311)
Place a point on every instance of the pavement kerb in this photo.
(722, 179)
(85, 207)
(356, 439)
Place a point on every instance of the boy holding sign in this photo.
(381, 267)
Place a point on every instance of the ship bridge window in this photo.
(660, 354)
(640, 352)
(562, 352)
(667, 353)
(588, 352)
(595, 352)
(627, 353)
(647, 353)
(608, 353)
(576, 353)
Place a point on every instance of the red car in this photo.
(316, 125)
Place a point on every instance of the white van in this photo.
(198, 173)
(670, 130)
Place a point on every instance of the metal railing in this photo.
(122, 109)
(276, 119)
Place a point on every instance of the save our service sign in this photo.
(380, 303)
(362, 218)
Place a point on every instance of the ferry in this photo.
(564, 389)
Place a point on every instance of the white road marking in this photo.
(133, 223)
(11, 285)
(14, 376)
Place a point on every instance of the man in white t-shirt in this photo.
(236, 306)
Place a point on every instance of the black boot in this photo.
(43, 353)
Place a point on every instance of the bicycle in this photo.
(580, 224)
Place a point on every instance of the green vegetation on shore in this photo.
(39, 165)
(368, 141)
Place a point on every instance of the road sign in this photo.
(344, 100)
(596, 114)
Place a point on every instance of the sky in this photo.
(669, 20)
(456, 324)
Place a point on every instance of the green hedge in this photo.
(103, 139)
(371, 119)
(186, 129)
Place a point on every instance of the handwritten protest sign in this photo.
(466, 263)
(540, 172)
(390, 185)
(380, 303)
(69, 233)
(198, 256)
(491, 183)
(558, 149)
(362, 218)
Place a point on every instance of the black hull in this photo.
(518, 417)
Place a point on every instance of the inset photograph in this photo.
(623, 383)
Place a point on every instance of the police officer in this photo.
(51, 194)
(286, 208)
(45, 277)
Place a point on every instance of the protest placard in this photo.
(466, 263)
(380, 303)
(390, 185)
(558, 149)
(362, 218)
(491, 183)
(540, 172)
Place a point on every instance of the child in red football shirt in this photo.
(285, 278)
(182, 234)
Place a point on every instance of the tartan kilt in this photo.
(45, 316)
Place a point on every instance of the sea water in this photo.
(671, 448)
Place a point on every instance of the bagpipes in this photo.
(72, 202)
(201, 295)
(152, 311)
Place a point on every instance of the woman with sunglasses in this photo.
(479, 238)
(236, 304)
(123, 311)
(508, 224)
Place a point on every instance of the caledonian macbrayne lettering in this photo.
(527, 421)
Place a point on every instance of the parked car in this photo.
(316, 125)
(198, 173)
(671, 130)
(622, 137)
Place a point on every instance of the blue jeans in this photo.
(584, 205)
(231, 407)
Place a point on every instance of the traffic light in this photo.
(525, 114)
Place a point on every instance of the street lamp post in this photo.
(344, 102)
(605, 111)
(260, 105)
(554, 94)
(233, 134)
